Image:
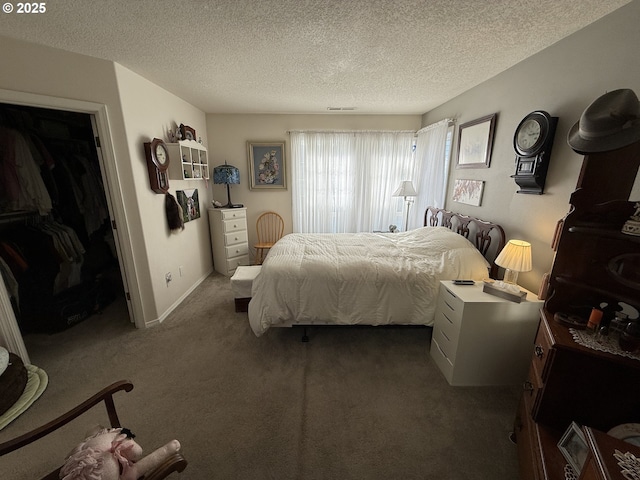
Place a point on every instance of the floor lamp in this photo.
(407, 191)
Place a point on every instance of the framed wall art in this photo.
(187, 133)
(267, 165)
(190, 204)
(475, 140)
(468, 191)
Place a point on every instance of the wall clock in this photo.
(532, 142)
(157, 156)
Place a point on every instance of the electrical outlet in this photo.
(168, 277)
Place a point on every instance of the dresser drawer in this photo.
(541, 351)
(234, 238)
(234, 263)
(530, 389)
(230, 214)
(237, 250)
(234, 225)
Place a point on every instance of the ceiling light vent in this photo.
(341, 109)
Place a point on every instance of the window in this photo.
(344, 181)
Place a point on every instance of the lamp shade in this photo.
(405, 189)
(516, 256)
(226, 174)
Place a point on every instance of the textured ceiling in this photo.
(302, 56)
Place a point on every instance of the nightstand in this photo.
(481, 339)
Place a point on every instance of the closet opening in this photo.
(58, 251)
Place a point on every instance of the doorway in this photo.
(69, 129)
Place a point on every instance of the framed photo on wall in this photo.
(468, 191)
(267, 165)
(475, 140)
(188, 200)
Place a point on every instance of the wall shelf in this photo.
(188, 160)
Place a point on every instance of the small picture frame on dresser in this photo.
(573, 446)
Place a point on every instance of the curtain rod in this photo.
(448, 121)
(350, 131)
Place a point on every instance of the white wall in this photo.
(150, 112)
(563, 80)
(228, 135)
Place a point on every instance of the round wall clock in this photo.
(532, 142)
(157, 156)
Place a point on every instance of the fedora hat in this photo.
(612, 121)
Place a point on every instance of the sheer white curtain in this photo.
(431, 175)
(344, 181)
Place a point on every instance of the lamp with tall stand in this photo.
(227, 175)
(407, 191)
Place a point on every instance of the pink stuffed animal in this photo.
(112, 454)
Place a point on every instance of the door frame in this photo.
(115, 203)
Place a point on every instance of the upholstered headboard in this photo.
(488, 238)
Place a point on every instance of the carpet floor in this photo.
(353, 403)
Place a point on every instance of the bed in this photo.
(370, 278)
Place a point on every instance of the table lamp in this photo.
(227, 175)
(515, 257)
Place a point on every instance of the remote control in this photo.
(464, 282)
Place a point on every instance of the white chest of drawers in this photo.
(229, 239)
(481, 339)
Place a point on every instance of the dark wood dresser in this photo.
(602, 463)
(594, 263)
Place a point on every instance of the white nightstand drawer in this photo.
(234, 238)
(450, 328)
(451, 305)
(231, 213)
(446, 344)
(444, 364)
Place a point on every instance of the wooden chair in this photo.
(174, 463)
(270, 228)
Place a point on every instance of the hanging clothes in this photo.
(21, 187)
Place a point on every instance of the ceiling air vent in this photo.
(341, 109)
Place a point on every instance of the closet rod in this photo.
(14, 217)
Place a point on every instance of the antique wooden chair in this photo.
(174, 463)
(270, 227)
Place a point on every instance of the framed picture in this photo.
(187, 133)
(188, 200)
(267, 166)
(468, 191)
(475, 140)
(574, 447)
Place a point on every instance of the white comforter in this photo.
(360, 278)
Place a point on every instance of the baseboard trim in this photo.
(175, 304)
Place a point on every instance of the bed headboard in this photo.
(488, 237)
